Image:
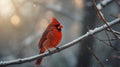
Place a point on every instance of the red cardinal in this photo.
(50, 38)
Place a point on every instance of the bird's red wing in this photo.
(43, 38)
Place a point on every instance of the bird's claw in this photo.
(49, 51)
(58, 49)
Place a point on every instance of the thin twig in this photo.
(103, 19)
(116, 32)
(113, 39)
(114, 16)
(89, 33)
(99, 61)
(110, 41)
(105, 43)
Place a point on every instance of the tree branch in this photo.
(103, 4)
(104, 20)
(116, 32)
(98, 60)
(103, 41)
(89, 33)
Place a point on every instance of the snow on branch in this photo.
(103, 4)
(89, 33)
(100, 14)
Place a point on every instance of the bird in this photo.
(50, 38)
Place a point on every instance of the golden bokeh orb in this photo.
(15, 20)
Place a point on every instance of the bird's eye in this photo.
(57, 26)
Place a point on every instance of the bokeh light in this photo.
(79, 3)
(6, 8)
(15, 20)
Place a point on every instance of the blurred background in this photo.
(22, 23)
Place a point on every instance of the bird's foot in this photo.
(58, 49)
(49, 51)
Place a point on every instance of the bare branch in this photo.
(116, 32)
(113, 39)
(99, 61)
(91, 32)
(109, 39)
(110, 45)
(114, 16)
(104, 20)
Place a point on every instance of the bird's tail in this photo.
(38, 62)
